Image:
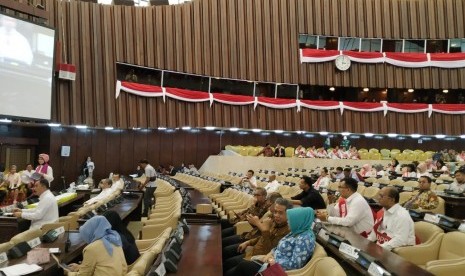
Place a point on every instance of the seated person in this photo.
(348, 172)
(293, 251)
(267, 151)
(249, 180)
(259, 208)
(352, 210)
(409, 170)
(271, 231)
(105, 185)
(424, 198)
(367, 171)
(309, 197)
(193, 169)
(323, 181)
(131, 253)
(393, 226)
(422, 170)
(279, 151)
(46, 210)
(338, 174)
(103, 254)
(272, 185)
(117, 182)
(300, 151)
(379, 170)
(458, 185)
(26, 179)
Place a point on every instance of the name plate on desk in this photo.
(323, 234)
(432, 218)
(34, 242)
(3, 257)
(462, 227)
(349, 250)
(60, 230)
(376, 270)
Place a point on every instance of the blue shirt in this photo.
(293, 252)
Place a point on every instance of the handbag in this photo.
(273, 270)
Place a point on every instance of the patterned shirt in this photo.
(293, 252)
(255, 210)
(426, 200)
(268, 240)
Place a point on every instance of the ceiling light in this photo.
(135, 128)
(366, 89)
(265, 133)
(210, 128)
(440, 136)
(392, 135)
(332, 89)
(256, 130)
(415, 136)
(53, 125)
(161, 128)
(234, 129)
(186, 127)
(345, 133)
(5, 120)
(279, 131)
(445, 91)
(369, 134)
(324, 133)
(81, 126)
(410, 90)
(300, 132)
(109, 128)
(462, 136)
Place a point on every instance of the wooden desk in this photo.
(10, 226)
(455, 206)
(391, 261)
(51, 268)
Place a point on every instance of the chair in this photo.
(204, 209)
(328, 266)
(371, 192)
(404, 196)
(385, 154)
(4, 247)
(441, 207)
(361, 189)
(318, 253)
(375, 156)
(442, 187)
(373, 150)
(289, 151)
(430, 237)
(26, 236)
(364, 155)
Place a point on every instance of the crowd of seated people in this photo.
(334, 153)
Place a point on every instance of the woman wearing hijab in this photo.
(103, 255)
(294, 250)
(131, 253)
(44, 169)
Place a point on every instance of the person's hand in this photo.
(254, 220)
(266, 224)
(17, 214)
(267, 257)
(271, 261)
(241, 248)
(323, 216)
(331, 198)
(74, 267)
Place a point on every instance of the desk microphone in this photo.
(68, 242)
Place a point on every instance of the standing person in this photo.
(309, 197)
(103, 255)
(12, 181)
(149, 185)
(131, 253)
(279, 151)
(88, 167)
(46, 210)
(44, 169)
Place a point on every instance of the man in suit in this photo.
(279, 151)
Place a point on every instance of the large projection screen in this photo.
(26, 68)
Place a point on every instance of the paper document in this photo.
(20, 269)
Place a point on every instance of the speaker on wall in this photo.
(65, 151)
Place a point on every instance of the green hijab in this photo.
(300, 220)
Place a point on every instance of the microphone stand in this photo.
(68, 242)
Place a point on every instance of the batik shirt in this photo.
(293, 252)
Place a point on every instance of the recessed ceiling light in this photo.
(332, 89)
(279, 131)
(109, 128)
(445, 91)
(368, 134)
(324, 133)
(161, 128)
(5, 120)
(366, 89)
(186, 127)
(410, 90)
(210, 128)
(256, 130)
(392, 135)
(135, 128)
(234, 129)
(462, 136)
(440, 136)
(415, 136)
(345, 133)
(80, 126)
(53, 125)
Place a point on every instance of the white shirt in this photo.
(359, 216)
(322, 182)
(117, 185)
(272, 187)
(150, 172)
(26, 176)
(90, 166)
(103, 194)
(48, 175)
(45, 212)
(398, 225)
(252, 181)
(456, 187)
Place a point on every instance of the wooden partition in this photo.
(253, 40)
